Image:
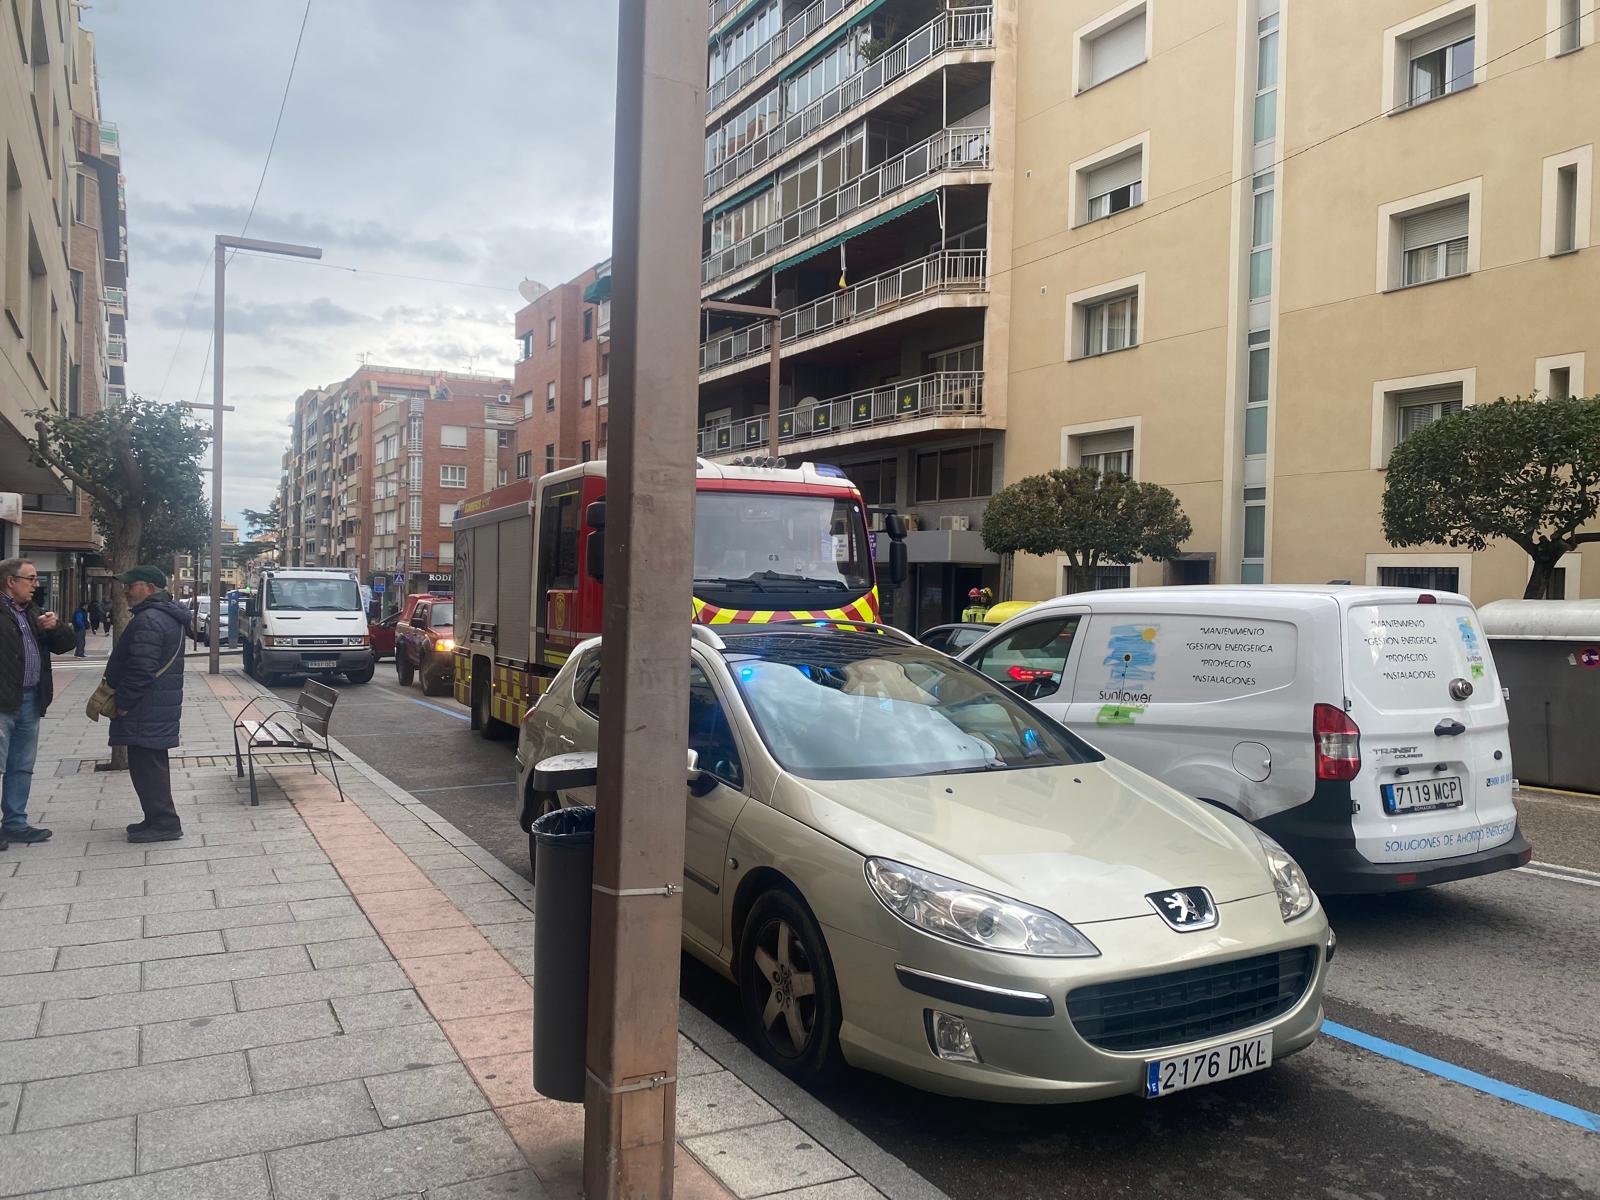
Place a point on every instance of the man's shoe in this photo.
(28, 835)
(4, 845)
(137, 826)
(148, 834)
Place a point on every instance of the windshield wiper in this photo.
(334, 607)
(837, 584)
(729, 581)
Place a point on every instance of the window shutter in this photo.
(1436, 225)
(1117, 49)
(1447, 34)
(1111, 175)
(1113, 441)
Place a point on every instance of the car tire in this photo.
(435, 678)
(364, 675)
(781, 953)
(402, 667)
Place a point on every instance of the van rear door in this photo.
(1435, 777)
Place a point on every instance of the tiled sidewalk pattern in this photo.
(305, 999)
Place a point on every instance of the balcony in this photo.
(117, 349)
(770, 52)
(116, 395)
(940, 394)
(117, 299)
(958, 29)
(942, 272)
(947, 150)
(603, 389)
(110, 141)
(602, 320)
(721, 8)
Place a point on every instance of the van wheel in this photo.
(787, 989)
(364, 675)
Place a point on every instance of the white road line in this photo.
(1594, 883)
(1544, 866)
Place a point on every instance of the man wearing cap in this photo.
(146, 670)
(28, 638)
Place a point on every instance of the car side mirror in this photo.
(700, 782)
(251, 608)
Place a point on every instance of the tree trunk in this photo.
(123, 550)
(1542, 579)
(1080, 579)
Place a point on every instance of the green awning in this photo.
(881, 219)
(599, 291)
(735, 200)
(828, 43)
(739, 289)
(730, 23)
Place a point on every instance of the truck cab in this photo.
(307, 621)
(424, 638)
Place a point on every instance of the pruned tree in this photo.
(1087, 517)
(139, 463)
(258, 521)
(1525, 471)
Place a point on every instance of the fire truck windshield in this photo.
(770, 550)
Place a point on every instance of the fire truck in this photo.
(771, 543)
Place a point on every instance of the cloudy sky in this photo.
(465, 141)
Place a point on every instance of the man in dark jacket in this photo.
(146, 670)
(28, 638)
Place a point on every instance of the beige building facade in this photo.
(1258, 242)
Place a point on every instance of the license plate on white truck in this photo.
(1444, 791)
(1163, 1076)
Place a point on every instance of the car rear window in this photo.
(1403, 656)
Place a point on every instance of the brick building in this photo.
(562, 375)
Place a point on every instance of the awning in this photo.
(828, 43)
(734, 21)
(739, 289)
(599, 291)
(755, 189)
(881, 219)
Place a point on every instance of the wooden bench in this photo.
(302, 727)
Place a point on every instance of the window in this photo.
(502, 439)
(1423, 407)
(1033, 659)
(558, 542)
(1107, 452)
(452, 477)
(1257, 393)
(1560, 386)
(1253, 568)
(955, 474)
(1434, 243)
(710, 735)
(527, 404)
(1440, 60)
(1110, 325)
(1265, 121)
(878, 481)
(549, 458)
(588, 324)
(1118, 42)
(588, 390)
(586, 453)
(1570, 23)
(586, 687)
(525, 463)
(550, 396)
(500, 477)
(447, 514)
(525, 347)
(1261, 218)
(550, 331)
(1566, 209)
(1114, 186)
(1565, 216)
(1559, 375)
(453, 437)
(51, 503)
(1429, 579)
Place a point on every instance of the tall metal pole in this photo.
(772, 392)
(631, 1089)
(215, 620)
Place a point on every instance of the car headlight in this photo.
(959, 913)
(1288, 880)
(445, 644)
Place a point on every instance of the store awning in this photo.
(881, 219)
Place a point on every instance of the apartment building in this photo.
(377, 463)
(191, 574)
(562, 376)
(63, 243)
(1259, 242)
(858, 178)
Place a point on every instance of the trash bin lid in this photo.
(1541, 620)
(572, 826)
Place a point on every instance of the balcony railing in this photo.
(116, 297)
(603, 391)
(117, 349)
(947, 150)
(110, 140)
(958, 29)
(721, 8)
(943, 271)
(941, 394)
(602, 319)
(770, 51)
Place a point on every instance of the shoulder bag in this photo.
(103, 703)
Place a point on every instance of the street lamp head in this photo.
(256, 245)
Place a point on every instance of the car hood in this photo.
(1086, 842)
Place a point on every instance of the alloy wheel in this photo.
(789, 1014)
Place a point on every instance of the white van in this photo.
(1362, 727)
(307, 621)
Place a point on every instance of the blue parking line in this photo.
(1572, 1115)
(446, 711)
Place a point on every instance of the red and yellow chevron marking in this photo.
(863, 609)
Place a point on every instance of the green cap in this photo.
(144, 574)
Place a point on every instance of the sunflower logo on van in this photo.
(1130, 661)
(1469, 639)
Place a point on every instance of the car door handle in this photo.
(1449, 727)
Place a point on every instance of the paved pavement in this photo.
(310, 999)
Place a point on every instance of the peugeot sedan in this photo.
(904, 866)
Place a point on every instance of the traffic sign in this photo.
(1589, 656)
(379, 586)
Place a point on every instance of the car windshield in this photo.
(313, 595)
(443, 614)
(754, 542)
(860, 706)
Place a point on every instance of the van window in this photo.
(1131, 660)
(1031, 660)
(1403, 656)
(330, 594)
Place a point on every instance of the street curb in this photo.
(833, 1133)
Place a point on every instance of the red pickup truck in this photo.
(424, 637)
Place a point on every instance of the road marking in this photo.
(1594, 883)
(447, 712)
(1571, 1114)
(461, 787)
(1563, 867)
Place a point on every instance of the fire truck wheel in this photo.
(492, 727)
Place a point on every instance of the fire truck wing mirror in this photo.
(895, 524)
(595, 514)
(594, 553)
(897, 562)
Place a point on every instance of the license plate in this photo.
(1163, 1076)
(1445, 791)
(322, 663)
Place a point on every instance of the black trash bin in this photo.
(563, 872)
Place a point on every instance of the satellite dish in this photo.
(809, 402)
(531, 289)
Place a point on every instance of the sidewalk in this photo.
(314, 999)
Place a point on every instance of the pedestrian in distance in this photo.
(96, 616)
(146, 672)
(28, 638)
(80, 629)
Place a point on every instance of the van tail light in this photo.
(1338, 743)
(1427, 598)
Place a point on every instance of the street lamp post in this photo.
(224, 244)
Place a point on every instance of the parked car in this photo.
(423, 640)
(953, 638)
(382, 635)
(904, 866)
(1362, 727)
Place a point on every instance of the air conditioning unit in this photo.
(955, 524)
(503, 398)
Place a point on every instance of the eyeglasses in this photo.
(27, 578)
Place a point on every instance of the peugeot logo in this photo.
(1185, 909)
